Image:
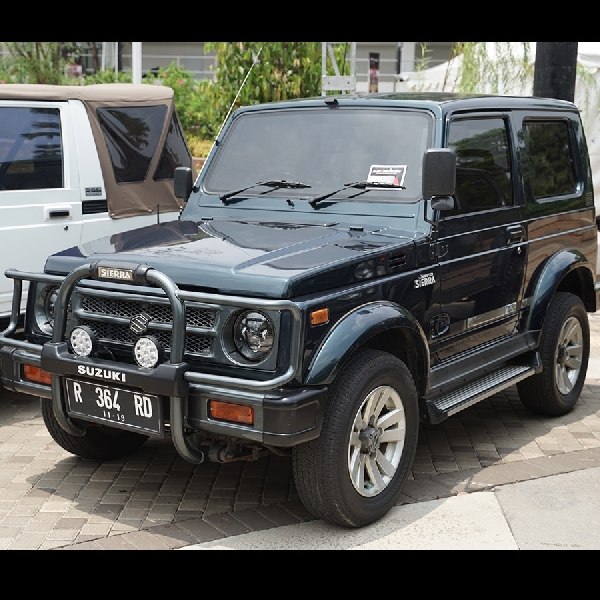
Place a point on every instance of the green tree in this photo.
(188, 95)
(494, 67)
(38, 62)
(283, 71)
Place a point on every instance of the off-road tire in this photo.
(98, 443)
(378, 385)
(565, 352)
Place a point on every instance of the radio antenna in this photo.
(234, 102)
(240, 90)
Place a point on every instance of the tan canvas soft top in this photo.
(112, 93)
(124, 200)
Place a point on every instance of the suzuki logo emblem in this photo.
(139, 324)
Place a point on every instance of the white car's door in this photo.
(40, 198)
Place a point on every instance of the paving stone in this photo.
(418, 492)
(278, 516)
(72, 524)
(143, 540)
(127, 526)
(28, 541)
(112, 543)
(227, 525)
(173, 536)
(201, 531)
(51, 545)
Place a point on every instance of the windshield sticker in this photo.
(391, 175)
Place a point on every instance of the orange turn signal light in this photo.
(36, 375)
(234, 413)
(319, 317)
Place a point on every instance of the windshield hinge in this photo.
(438, 251)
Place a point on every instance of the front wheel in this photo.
(353, 474)
(565, 351)
(98, 442)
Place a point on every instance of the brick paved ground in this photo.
(156, 501)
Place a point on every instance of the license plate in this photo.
(123, 409)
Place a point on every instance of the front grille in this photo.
(113, 333)
(161, 315)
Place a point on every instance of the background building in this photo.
(394, 58)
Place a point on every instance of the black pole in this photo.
(556, 70)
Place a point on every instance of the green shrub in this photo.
(190, 99)
(107, 76)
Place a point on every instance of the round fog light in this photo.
(83, 342)
(148, 352)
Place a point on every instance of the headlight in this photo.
(44, 309)
(50, 302)
(365, 270)
(254, 336)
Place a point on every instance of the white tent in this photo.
(588, 100)
(445, 77)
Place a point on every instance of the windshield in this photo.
(324, 149)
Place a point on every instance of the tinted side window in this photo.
(31, 155)
(175, 153)
(549, 158)
(132, 136)
(484, 174)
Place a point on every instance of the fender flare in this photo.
(353, 331)
(553, 273)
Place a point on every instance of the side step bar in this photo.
(441, 409)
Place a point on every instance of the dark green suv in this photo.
(344, 269)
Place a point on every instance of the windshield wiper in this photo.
(275, 185)
(366, 186)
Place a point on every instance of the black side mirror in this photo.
(439, 173)
(184, 183)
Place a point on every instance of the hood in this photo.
(234, 257)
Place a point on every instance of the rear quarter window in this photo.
(549, 159)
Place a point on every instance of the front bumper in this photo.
(284, 417)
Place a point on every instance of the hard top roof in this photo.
(437, 102)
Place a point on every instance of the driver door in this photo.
(482, 272)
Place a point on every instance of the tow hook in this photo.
(227, 454)
(222, 454)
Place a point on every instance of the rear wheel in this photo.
(353, 474)
(565, 351)
(98, 442)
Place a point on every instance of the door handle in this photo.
(58, 211)
(59, 214)
(515, 235)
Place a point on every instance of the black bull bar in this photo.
(173, 379)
